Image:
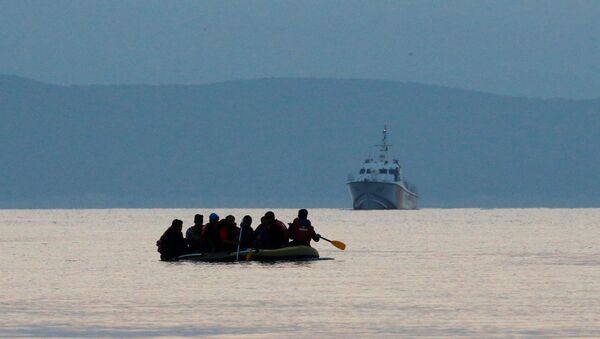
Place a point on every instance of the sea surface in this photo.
(426, 273)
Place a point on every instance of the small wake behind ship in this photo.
(380, 184)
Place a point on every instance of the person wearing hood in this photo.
(172, 244)
(210, 234)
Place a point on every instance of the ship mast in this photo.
(384, 147)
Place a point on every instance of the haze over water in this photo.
(431, 272)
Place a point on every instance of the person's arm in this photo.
(315, 236)
(291, 230)
(208, 239)
(183, 247)
(188, 236)
(258, 237)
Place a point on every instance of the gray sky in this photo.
(531, 48)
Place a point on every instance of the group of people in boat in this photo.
(224, 235)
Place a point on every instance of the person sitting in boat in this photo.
(301, 230)
(271, 233)
(228, 234)
(210, 234)
(172, 244)
(258, 231)
(193, 235)
(247, 235)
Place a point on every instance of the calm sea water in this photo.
(432, 272)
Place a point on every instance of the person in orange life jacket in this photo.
(247, 239)
(171, 244)
(193, 235)
(271, 233)
(210, 234)
(228, 234)
(301, 230)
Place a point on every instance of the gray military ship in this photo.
(380, 185)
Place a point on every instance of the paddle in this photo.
(237, 254)
(335, 243)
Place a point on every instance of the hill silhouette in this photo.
(288, 143)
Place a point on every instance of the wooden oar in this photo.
(336, 243)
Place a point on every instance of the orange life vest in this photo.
(301, 231)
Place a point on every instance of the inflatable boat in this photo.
(291, 253)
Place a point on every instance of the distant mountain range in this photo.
(288, 143)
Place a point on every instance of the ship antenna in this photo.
(384, 147)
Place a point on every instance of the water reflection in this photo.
(477, 273)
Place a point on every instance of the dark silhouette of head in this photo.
(230, 218)
(247, 220)
(302, 214)
(269, 217)
(177, 224)
(213, 217)
(198, 219)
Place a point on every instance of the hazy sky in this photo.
(532, 48)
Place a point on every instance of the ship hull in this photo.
(369, 195)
